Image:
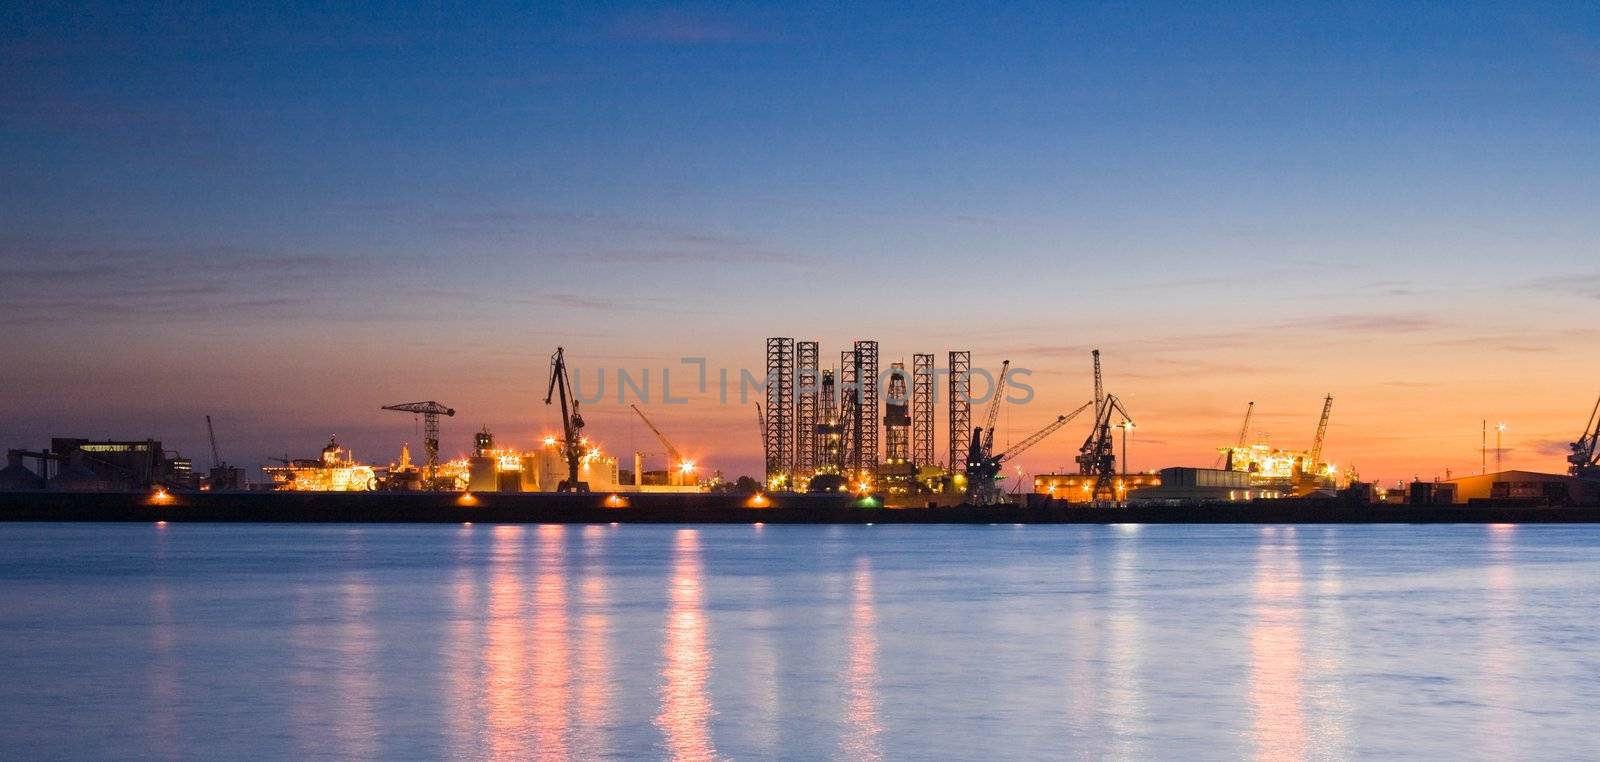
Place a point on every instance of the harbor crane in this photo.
(223, 476)
(679, 469)
(993, 413)
(430, 412)
(1226, 457)
(571, 422)
(1322, 431)
(1098, 455)
(1585, 457)
(984, 468)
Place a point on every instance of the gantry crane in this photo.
(430, 412)
(571, 422)
(1585, 457)
(679, 469)
(983, 469)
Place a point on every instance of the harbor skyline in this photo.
(286, 220)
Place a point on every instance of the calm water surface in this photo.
(385, 642)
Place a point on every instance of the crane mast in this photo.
(216, 458)
(571, 421)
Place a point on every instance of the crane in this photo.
(993, 413)
(430, 412)
(216, 458)
(983, 468)
(1099, 388)
(1322, 431)
(1098, 455)
(1585, 460)
(1244, 434)
(571, 421)
(679, 468)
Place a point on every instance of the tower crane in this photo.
(679, 468)
(1585, 460)
(983, 468)
(571, 422)
(216, 458)
(430, 412)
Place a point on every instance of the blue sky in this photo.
(295, 214)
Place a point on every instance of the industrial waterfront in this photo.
(852, 441)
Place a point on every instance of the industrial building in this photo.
(1553, 489)
(84, 465)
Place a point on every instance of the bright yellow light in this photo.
(616, 501)
(549, 441)
(467, 499)
(686, 466)
(758, 500)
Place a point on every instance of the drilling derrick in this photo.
(866, 353)
(430, 412)
(960, 410)
(571, 422)
(849, 403)
(780, 412)
(897, 418)
(829, 435)
(807, 378)
(922, 409)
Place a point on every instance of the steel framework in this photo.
(806, 374)
(960, 410)
(922, 409)
(779, 424)
(849, 403)
(867, 412)
(897, 417)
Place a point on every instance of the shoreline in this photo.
(601, 508)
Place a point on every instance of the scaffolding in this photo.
(922, 409)
(849, 407)
(779, 421)
(805, 461)
(960, 410)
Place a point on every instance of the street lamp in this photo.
(1126, 425)
(1499, 428)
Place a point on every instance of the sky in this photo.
(286, 216)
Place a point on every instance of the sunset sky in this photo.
(286, 217)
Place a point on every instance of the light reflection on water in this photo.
(551, 642)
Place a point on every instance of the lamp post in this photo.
(1125, 426)
(1499, 428)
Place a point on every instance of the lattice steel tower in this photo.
(960, 410)
(922, 409)
(806, 374)
(849, 404)
(867, 426)
(780, 410)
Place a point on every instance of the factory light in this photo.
(758, 500)
(467, 499)
(616, 501)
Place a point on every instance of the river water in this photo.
(801, 642)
